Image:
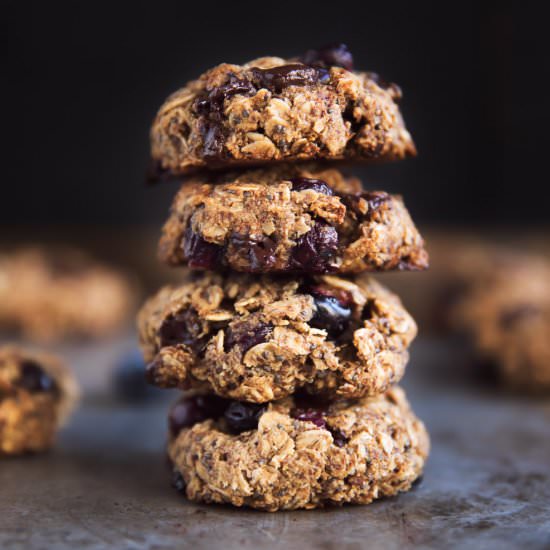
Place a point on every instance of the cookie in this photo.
(295, 453)
(37, 393)
(50, 294)
(271, 109)
(289, 219)
(504, 306)
(260, 338)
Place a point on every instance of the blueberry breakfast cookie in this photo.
(261, 338)
(505, 307)
(296, 453)
(289, 219)
(36, 395)
(49, 294)
(271, 109)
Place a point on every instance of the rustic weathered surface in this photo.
(487, 484)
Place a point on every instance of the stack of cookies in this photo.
(290, 356)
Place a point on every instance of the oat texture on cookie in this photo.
(287, 350)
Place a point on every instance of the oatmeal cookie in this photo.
(49, 294)
(261, 338)
(505, 307)
(37, 393)
(295, 453)
(289, 219)
(271, 109)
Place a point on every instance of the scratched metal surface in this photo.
(487, 484)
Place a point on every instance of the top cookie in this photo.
(271, 109)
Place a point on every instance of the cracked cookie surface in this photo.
(49, 294)
(298, 455)
(504, 305)
(272, 109)
(289, 219)
(262, 338)
(37, 393)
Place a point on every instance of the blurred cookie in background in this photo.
(48, 294)
(37, 394)
(501, 301)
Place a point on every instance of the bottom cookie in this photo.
(36, 395)
(296, 452)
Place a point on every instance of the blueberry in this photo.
(178, 483)
(35, 379)
(198, 253)
(375, 200)
(331, 314)
(210, 107)
(319, 186)
(191, 410)
(129, 379)
(338, 437)
(213, 143)
(241, 417)
(278, 78)
(316, 416)
(331, 55)
(260, 253)
(215, 99)
(315, 250)
(246, 336)
(343, 296)
(183, 327)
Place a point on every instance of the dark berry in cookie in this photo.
(35, 379)
(331, 55)
(332, 313)
(375, 198)
(278, 78)
(246, 335)
(210, 108)
(316, 416)
(182, 328)
(366, 203)
(214, 101)
(319, 186)
(189, 411)
(198, 253)
(259, 252)
(315, 250)
(241, 417)
(343, 296)
(338, 437)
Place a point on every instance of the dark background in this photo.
(82, 81)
